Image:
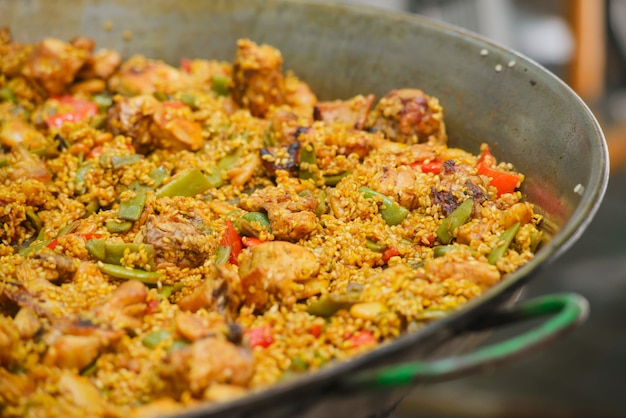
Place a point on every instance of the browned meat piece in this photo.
(352, 112)
(79, 391)
(57, 267)
(27, 323)
(73, 351)
(125, 307)
(102, 64)
(299, 96)
(258, 82)
(53, 64)
(401, 183)
(285, 157)
(13, 55)
(218, 292)
(153, 124)
(453, 268)
(177, 241)
(205, 362)
(28, 166)
(410, 116)
(278, 269)
(140, 75)
(445, 199)
(285, 126)
(291, 217)
(84, 43)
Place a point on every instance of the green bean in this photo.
(96, 248)
(158, 175)
(329, 304)
(222, 254)
(36, 246)
(132, 208)
(309, 158)
(123, 160)
(247, 227)
(103, 101)
(4, 162)
(321, 203)
(119, 272)
(67, 228)
(81, 172)
(374, 246)
(155, 338)
(190, 100)
(189, 183)
(113, 252)
(92, 207)
(165, 291)
(7, 95)
(458, 217)
(223, 165)
(219, 84)
(161, 96)
(441, 250)
(34, 219)
(116, 226)
(97, 121)
(504, 242)
(391, 212)
(334, 180)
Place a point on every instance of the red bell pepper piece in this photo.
(250, 241)
(232, 239)
(260, 337)
(504, 182)
(433, 166)
(362, 338)
(71, 109)
(316, 330)
(388, 253)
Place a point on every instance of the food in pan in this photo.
(178, 234)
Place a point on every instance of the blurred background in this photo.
(583, 375)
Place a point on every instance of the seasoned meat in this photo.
(269, 269)
(140, 75)
(125, 307)
(176, 241)
(400, 183)
(218, 292)
(352, 112)
(153, 124)
(285, 157)
(205, 362)
(410, 116)
(299, 96)
(53, 65)
(102, 64)
(60, 267)
(258, 82)
(291, 217)
(448, 268)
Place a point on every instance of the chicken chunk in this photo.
(352, 112)
(54, 64)
(278, 269)
(258, 82)
(102, 64)
(218, 292)
(177, 241)
(291, 217)
(409, 116)
(205, 362)
(456, 268)
(140, 75)
(125, 307)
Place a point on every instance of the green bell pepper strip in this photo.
(225, 164)
(307, 156)
(504, 242)
(374, 246)
(335, 179)
(119, 272)
(219, 84)
(458, 217)
(189, 183)
(390, 211)
(115, 226)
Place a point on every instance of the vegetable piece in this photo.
(433, 166)
(4, 162)
(7, 95)
(219, 84)
(97, 249)
(222, 254)
(504, 182)
(104, 101)
(71, 110)
(441, 250)
(253, 223)
(257, 217)
(361, 339)
(504, 242)
(113, 252)
(321, 203)
(189, 183)
(334, 180)
(115, 226)
(81, 172)
(251, 241)
(309, 158)
(226, 163)
(458, 217)
(131, 209)
(87, 237)
(36, 246)
(329, 304)
(388, 253)
(155, 338)
(232, 240)
(123, 160)
(260, 337)
(34, 219)
(390, 211)
(374, 246)
(119, 272)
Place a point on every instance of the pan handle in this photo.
(568, 310)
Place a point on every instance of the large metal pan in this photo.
(490, 94)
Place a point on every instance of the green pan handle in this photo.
(568, 311)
